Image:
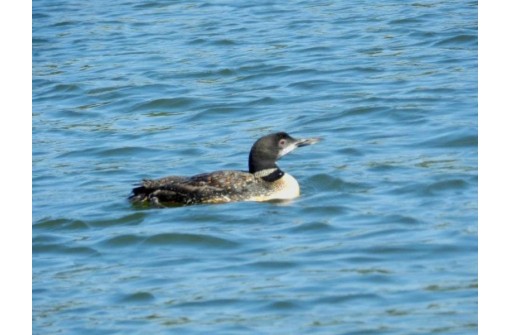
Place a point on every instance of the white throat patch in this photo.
(287, 150)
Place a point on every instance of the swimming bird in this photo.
(262, 182)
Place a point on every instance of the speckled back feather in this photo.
(215, 187)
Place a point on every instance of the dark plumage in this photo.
(264, 180)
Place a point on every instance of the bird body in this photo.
(263, 182)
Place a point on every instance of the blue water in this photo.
(383, 239)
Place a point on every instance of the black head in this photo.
(268, 149)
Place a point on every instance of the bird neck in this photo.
(257, 163)
(270, 175)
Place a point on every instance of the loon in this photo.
(263, 182)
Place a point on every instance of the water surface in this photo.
(383, 239)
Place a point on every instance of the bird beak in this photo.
(307, 141)
(298, 143)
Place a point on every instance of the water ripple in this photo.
(166, 104)
(137, 298)
(123, 241)
(458, 40)
(59, 224)
(190, 240)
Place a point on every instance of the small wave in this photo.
(446, 185)
(449, 287)
(170, 103)
(458, 40)
(312, 227)
(454, 139)
(312, 84)
(65, 23)
(408, 20)
(151, 4)
(56, 224)
(79, 153)
(397, 312)
(208, 303)
(38, 248)
(336, 299)
(398, 218)
(39, 16)
(138, 297)
(386, 233)
(283, 305)
(198, 40)
(320, 49)
(272, 265)
(384, 166)
(326, 211)
(218, 111)
(183, 239)
(66, 87)
(262, 101)
(124, 151)
(129, 219)
(104, 90)
(36, 41)
(123, 241)
(365, 110)
(223, 42)
(367, 69)
(326, 182)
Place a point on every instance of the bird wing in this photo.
(207, 187)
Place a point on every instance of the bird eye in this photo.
(282, 142)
